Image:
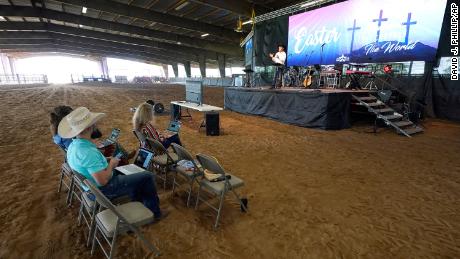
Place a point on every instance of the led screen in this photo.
(248, 52)
(366, 31)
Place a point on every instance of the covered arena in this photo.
(345, 148)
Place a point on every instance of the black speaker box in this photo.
(212, 124)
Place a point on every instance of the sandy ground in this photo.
(312, 194)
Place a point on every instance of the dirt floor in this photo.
(312, 193)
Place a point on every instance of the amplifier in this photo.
(212, 124)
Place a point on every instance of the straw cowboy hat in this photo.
(77, 121)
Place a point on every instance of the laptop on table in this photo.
(141, 163)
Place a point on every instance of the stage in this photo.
(327, 109)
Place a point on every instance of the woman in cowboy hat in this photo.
(84, 157)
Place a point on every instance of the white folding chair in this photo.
(65, 176)
(163, 161)
(88, 208)
(221, 188)
(116, 220)
(190, 175)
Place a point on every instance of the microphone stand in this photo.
(320, 64)
(309, 57)
(322, 46)
(308, 60)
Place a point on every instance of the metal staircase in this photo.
(384, 112)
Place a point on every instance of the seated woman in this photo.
(143, 121)
(56, 116)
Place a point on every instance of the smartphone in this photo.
(119, 155)
(115, 134)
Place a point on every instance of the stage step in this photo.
(374, 104)
(413, 131)
(403, 123)
(384, 110)
(368, 98)
(388, 115)
(392, 117)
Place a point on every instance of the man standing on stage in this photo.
(279, 59)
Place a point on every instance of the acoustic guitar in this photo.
(307, 80)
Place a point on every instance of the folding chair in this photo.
(163, 160)
(88, 208)
(65, 173)
(191, 176)
(220, 188)
(75, 190)
(140, 137)
(116, 220)
(65, 176)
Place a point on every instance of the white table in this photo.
(205, 108)
(197, 107)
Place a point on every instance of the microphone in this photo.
(323, 44)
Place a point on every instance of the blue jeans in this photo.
(140, 187)
(277, 80)
(173, 139)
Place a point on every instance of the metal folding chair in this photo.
(221, 188)
(163, 161)
(140, 137)
(116, 220)
(75, 190)
(88, 208)
(190, 175)
(65, 177)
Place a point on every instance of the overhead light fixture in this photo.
(84, 9)
(247, 22)
(205, 35)
(2, 18)
(309, 3)
(179, 43)
(184, 4)
(239, 25)
(81, 26)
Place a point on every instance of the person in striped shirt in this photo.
(144, 121)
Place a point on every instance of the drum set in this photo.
(309, 77)
(346, 76)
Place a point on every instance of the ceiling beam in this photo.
(47, 50)
(80, 38)
(84, 45)
(43, 37)
(172, 49)
(154, 16)
(26, 11)
(84, 50)
(239, 7)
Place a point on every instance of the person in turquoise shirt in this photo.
(84, 158)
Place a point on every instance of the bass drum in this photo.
(291, 77)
